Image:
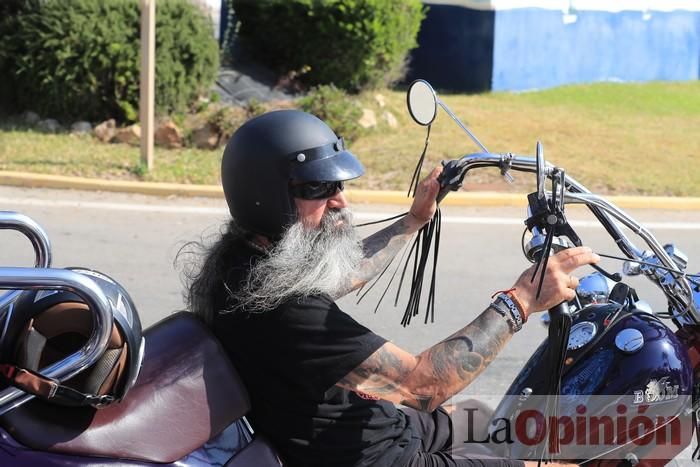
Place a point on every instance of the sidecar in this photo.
(186, 408)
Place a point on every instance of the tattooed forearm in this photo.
(454, 363)
(379, 248)
(427, 380)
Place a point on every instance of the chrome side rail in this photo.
(40, 241)
(85, 287)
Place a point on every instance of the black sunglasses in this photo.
(316, 190)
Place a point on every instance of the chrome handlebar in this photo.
(576, 193)
(40, 241)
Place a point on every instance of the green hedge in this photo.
(9, 13)
(353, 44)
(80, 58)
(332, 105)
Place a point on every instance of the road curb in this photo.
(470, 199)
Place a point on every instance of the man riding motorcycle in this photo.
(323, 387)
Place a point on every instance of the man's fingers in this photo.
(430, 185)
(435, 173)
(577, 261)
(569, 252)
(573, 258)
(573, 282)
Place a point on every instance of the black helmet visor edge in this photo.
(340, 166)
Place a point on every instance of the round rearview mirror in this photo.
(422, 102)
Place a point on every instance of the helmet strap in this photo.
(49, 389)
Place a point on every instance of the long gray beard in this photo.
(304, 262)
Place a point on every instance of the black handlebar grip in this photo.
(443, 192)
(561, 309)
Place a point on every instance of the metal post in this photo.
(147, 87)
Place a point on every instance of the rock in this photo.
(206, 137)
(381, 100)
(168, 135)
(390, 119)
(129, 135)
(106, 130)
(31, 118)
(49, 125)
(368, 119)
(81, 127)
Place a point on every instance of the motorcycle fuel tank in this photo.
(619, 365)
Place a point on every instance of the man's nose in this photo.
(338, 200)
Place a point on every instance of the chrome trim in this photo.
(679, 290)
(459, 122)
(40, 241)
(629, 340)
(522, 163)
(536, 244)
(251, 432)
(594, 288)
(589, 326)
(87, 289)
(671, 289)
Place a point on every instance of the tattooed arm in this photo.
(427, 380)
(381, 247)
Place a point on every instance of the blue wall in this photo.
(533, 48)
(515, 49)
(455, 49)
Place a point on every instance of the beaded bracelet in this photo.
(512, 309)
(501, 310)
(511, 293)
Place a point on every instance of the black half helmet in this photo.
(269, 153)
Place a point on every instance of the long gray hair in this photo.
(204, 281)
(304, 262)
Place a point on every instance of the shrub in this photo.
(9, 13)
(80, 58)
(353, 44)
(333, 106)
(226, 120)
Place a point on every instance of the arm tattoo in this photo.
(379, 248)
(455, 362)
(380, 374)
(426, 381)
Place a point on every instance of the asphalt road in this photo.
(136, 239)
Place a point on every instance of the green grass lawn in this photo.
(614, 138)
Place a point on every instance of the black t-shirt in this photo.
(290, 359)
